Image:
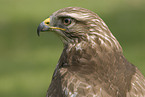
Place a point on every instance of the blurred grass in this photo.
(27, 61)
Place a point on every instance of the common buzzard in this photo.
(92, 63)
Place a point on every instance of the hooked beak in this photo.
(44, 26)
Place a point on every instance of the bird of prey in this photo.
(92, 63)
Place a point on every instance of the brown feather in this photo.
(92, 63)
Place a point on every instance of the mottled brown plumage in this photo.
(92, 62)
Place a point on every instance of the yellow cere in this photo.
(47, 21)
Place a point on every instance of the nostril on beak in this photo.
(47, 23)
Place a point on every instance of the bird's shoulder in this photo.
(137, 85)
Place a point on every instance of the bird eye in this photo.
(67, 21)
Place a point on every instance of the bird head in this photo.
(75, 24)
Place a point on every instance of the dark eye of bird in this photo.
(67, 21)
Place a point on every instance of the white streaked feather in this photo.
(95, 20)
(78, 46)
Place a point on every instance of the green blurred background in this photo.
(27, 61)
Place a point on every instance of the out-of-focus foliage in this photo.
(27, 61)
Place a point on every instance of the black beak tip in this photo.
(38, 31)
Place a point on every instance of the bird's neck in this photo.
(85, 53)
